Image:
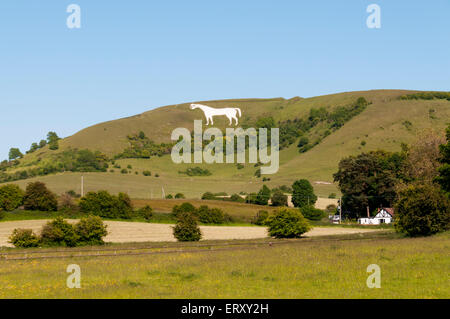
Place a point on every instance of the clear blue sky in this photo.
(131, 56)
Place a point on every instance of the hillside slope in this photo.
(386, 123)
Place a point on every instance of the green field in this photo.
(380, 126)
(305, 268)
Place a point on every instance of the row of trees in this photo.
(415, 181)
(52, 141)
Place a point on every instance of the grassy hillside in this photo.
(386, 123)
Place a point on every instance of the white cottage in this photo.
(383, 216)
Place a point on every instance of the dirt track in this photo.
(121, 232)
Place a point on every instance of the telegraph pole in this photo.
(340, 210)
(82, 186)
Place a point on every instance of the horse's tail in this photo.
(239, 111)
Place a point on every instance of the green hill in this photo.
(385, 123)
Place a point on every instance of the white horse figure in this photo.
(230, 112)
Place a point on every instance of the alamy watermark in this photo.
(74, 19)
(259, 149)
(74, 279)
(374, 280)
(374, 19)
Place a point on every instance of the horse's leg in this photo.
(230, 119)
(212, 122)
(237, 122)
(207, 120)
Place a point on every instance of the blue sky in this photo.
(132, 56)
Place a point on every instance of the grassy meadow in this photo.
(305, 268)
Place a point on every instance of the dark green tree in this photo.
(263, 196)
(14, 153)
(303, 193)
(39, 197)
(287, 223)
(11, 197)
(422, 210)
(52, 140)
(444, 171)
(368, 179)
(279, 199)
(186, 228)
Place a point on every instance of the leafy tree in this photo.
(146, 212)
(303, 193)
(39, 197)
(369, 179)
(180, 196)
(11, 197)
(208, 196)
(186, 228)
(263, 196)
(183, 208)
(208, 215)
(15, 153)
(287, 223)
(52, 140)
(444, 171)
(105, 205)
(42, 143)
(422, 210)
(279, 199)
(260, 218)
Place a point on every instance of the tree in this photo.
(52, 139)
(90, 231)
(105, 205)
(369, 179)
(279, 199)
(444, 171)
(287, 223)
(58, 232)
(263, 196)
(38, 197)
(14, 153)
(11, 197)
(422, 210)
(312, 213)
(422, 161)
(186, 228)
(303, 193)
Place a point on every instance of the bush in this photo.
(11, 197)
(331, 209)
(312, 213)
(422, 210)
(24, 238)
(106, 205)
(208, 196)
(287, 223)
(147, 173)
(263, 196)
(2, 214)
(208, 215)
(332, 195)
(38, 197)
(260, 218)
(180, 196)
(66, 204)
(183, 208)
(186, 228)
(237, 198)
(90, 231)
(146, 212)
(59, 233)
(279, 199)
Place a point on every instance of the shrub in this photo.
(156, 175)
(196, 171)
(59, 233)
(129, 166)
(186, 228)
(180, 196)
(90, 231)
(169, 196)
(2, 214)
(66, 204)
(208, 215)
(312, 213)
(287, 223)
(146, 212)
(331, 209)
(24, 238)
(260, 218)
(263, 196)
(422, 210)
(183, 208)
(237, 198)
(208, 196)
(11, 197)
(332, 195)
(106, 205)
(147, 173)
(279, 199)
(124, 171)
(38, 197)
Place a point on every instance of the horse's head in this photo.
(194, 106)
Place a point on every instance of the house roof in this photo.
(389, 210)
